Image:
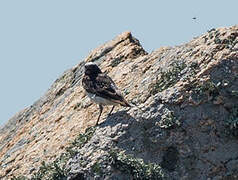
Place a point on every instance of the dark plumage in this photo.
(101, 89)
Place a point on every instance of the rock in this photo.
(183, 125)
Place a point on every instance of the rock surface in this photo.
(183, 124)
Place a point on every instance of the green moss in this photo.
(19, 178)
(97, 169)
(51, 171)
(168, 120)
(77, 106)
(116, 61)
(57, 169)
(205, 91)
(193, 68)
(217, 41)
(126, 92)
(136, 167)
(229, 42)
(232, 121)
(80, 141)
(169, 78)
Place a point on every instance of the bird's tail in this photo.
(126, 104)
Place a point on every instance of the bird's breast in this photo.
(100, 100)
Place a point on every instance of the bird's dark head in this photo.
(91, 69)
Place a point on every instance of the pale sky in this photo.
(39, 40)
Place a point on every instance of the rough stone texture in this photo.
(184, 118)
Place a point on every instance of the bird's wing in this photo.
(104, 87)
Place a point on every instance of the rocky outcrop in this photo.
(183, 124)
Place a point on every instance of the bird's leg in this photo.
(111, 111)
(101, 108)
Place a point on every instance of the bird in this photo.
(101, 89)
